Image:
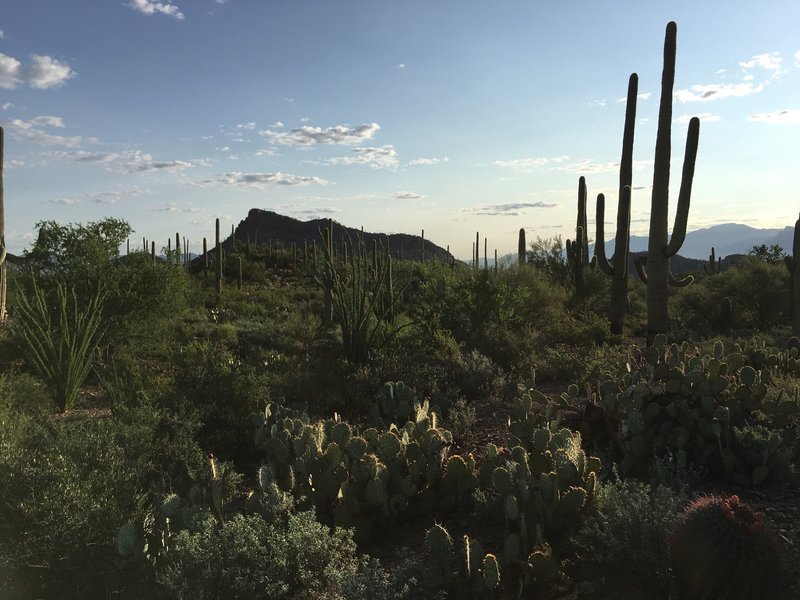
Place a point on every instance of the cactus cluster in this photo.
(370, 478)
(721, 548)
(468, 573)
(676, 399)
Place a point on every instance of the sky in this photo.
(452, 116)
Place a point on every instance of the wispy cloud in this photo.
(107, 197)
(7, 106)
(704, 117)
(790, 117)
(512, 209)
(174, 208)
(34, 132)
(796, 56)
(261, 180)
(530, 164)
(147, 7)
(427, 161)
(770, 61)
(717, 91)
(383, 157)
(315, 213)
(642, 96)
(43, 72)
(589, 166)
(308, 135)
(407, 196)
(249, 125)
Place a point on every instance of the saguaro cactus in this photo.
(657, 275)
(714, 266)
(218, 261)
(3, 251)
(578, 250)
(618, 271)
(522, 252)
(793, 265)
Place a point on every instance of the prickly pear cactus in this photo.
(722, 548)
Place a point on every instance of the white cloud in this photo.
(307, 135)
(797, 58)
(529, 164)
(250, 125)
(510, 209)
(715, 91)
(47, 72)
(642, 96)
(770, 61)
(147, 7)
(401, 66)
(2, 34)
(277, 125)
(260, 180)
(599, 103)
(7, 105)
(174, 208)
(384, 157)
(10, 72)
(427, 161)
(407, 195)
(33, 131)
(43, 72)
(790, 117)
(589, 166)
(704, 117)
(108, 197)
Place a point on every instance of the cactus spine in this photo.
(522, 254)
(618, 271)
(792, 264)
(659, 250)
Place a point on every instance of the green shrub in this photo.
(68, 485)
(628, 530)
(246, 557)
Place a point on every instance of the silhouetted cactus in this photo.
(793, 265)
(723, 550)
(657, 275)
(3, 251)
(578, 250)
(714, 266)
(522, 251)
(618, 271)
(218, 261)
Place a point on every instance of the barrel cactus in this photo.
(722, 549)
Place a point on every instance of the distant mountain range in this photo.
(726, 239)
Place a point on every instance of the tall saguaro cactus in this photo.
(218, 261)
(793, 265)
(618, 270)
(522, 252)
(657, 275)
(3, 251)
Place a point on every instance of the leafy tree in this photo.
(75, 252)
(547, 255)
(769, 254)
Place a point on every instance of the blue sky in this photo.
(449, 116)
